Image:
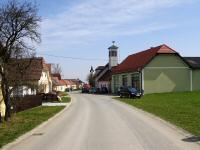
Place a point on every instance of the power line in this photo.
(75, 58)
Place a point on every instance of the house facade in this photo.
(33, 74)
(62, 86)
(45, 80)
(73, 84)
(156, 70)
(58, 83)
(102, 79)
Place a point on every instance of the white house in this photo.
(32, 74)
(59, 84)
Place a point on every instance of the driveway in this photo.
(95, 122)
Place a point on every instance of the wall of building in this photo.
(166, 80)
(167, 73)
(113, 61)
(103, 84)
(28, 91)
(45, 82)
(25, 90)
(196, 79)
(117, 81)
(61, 88)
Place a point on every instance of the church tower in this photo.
(113, 55)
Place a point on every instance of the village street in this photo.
(97, 122)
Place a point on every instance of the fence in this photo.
(26, 102)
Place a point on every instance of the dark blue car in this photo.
(129, 92)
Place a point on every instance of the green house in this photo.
(157, 70)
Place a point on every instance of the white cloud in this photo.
(94, 19)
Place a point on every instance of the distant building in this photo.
(103, 73)
(58, 84)
(74, 84)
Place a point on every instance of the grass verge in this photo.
(181, 109)
(23, 122)
(65, 99)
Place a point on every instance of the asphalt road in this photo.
(95, 122)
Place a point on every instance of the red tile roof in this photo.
(57, 82)
(56, 75)
(73, 81)
(139, 60)
(62, 82)
(26, 69)
(68, 82)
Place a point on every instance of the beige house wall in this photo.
(46, 82)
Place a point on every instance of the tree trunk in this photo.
(7, 103)
(6, 97)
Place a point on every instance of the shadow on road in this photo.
(192, 139)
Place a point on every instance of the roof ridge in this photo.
(168, 47)
(141, 52)
(151, 48)
(140, 59)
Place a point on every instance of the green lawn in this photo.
(65, 99)
(181, 109)
(25, 121)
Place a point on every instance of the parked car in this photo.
(104, 90)
(92, 90)
(51, 96)
(98, 90)
(130, 92)
(42, 94)
(68, 90)
(118, 90)
(85, 88)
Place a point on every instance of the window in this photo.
(112, 53)
(124, 80)
(135, 80)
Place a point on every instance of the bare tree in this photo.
(56, 68)
(19, 25)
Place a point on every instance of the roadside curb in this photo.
(180, 130)
(31, 132)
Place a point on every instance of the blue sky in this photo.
(86, 28)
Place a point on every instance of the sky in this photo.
(86, 28)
